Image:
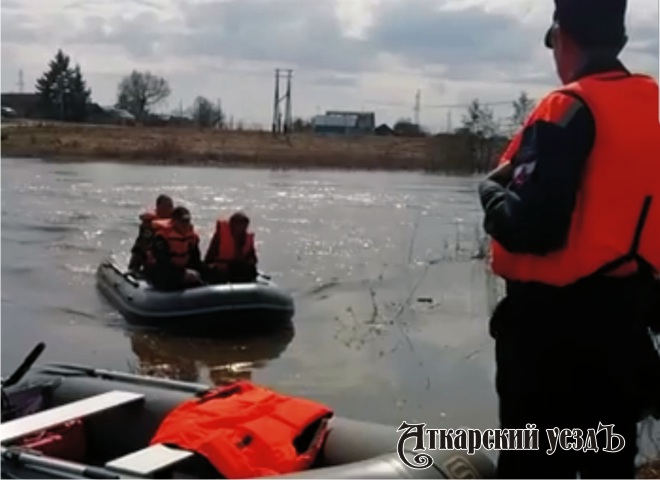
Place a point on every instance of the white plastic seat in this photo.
(148, 461)
(29, 424)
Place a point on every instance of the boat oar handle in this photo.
(126, 275)
(263, 275)
(25, 366)
(43, 462)
(129, 278)
(72, 368)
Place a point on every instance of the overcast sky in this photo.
(346, 54)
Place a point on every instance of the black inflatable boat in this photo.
(206, 307)
(106, 420)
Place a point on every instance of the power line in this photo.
(417, 107)
(455, 105)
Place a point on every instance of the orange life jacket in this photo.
(149, 216)
(248, 431)
(179, 244)
(227, 248)
(616, 222)
(161, 224)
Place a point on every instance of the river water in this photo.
(391, 305)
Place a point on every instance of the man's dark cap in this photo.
(181, 213)
(239, 218)
(162, 198)
(591, 23)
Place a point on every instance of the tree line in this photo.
(479, 120)
(64, 95)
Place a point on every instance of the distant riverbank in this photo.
(190, 146)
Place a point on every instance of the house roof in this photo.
(335, 121)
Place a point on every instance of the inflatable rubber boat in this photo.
(206, 307)
(70, 421)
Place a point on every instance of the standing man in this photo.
(574, 213)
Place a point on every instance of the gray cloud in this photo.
(139, 35)
(217, 35)
(334, 81)
(86, 4)
(17, 27)
(428, 34)
(644, 40)
(292, 32)
(469, 42)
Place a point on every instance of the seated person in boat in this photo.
(174, 259)
(163, 210)
(231, 256)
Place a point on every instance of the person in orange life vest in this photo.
(231, 255)
(163, 210)
(574, 214)
(174, 258)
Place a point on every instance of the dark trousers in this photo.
(571, 358)
(169, 278)
(235, 273)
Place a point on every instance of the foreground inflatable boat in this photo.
(101, 422)
(204, 308)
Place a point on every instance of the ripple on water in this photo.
(326, 236)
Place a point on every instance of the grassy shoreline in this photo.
(195, 147)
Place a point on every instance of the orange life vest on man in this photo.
(179, 244)
(227, 249)
(616, 221)
(149, 216)
(248, 431)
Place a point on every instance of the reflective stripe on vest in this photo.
(227, 245)
(247, 431)
(161, 223)
(179, 244)
(620, 189)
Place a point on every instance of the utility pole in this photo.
(288, 120)
(276, 104)
(21, 83)
(277, 113)
(417, 107)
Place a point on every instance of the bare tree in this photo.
(407, 128)
(301, 125)
(206, 114)
(480, 120)
(480, 125)
(522, 107)
(140, 91)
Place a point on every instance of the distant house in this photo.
(366, 121)
(344, 123)
(24, 105)
(334, 124)
(384, 130)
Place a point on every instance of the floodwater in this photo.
(391, 306)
